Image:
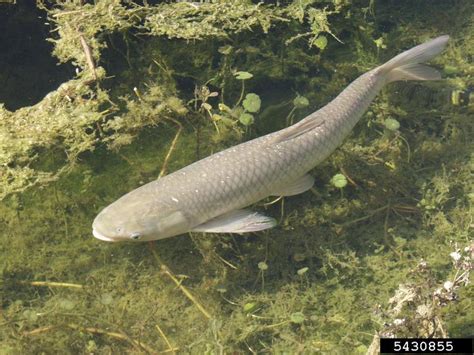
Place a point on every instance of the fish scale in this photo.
(260, 167)
(209, 194)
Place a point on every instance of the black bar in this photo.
(426, 346)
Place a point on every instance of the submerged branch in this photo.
(183, 289)
(51, 284)
(172, 147)
(97, 331)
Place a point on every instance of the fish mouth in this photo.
(101, 236)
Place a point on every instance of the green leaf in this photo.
(250, 307)
(225, 49)
(391, 124)
(243, 75)
(106, 298)
(380, 43)
(246, 119)
(206, 106)
(302, 271)
(339, 181)
(224, 108)
(321, 42)
(262, 265)
(66, 304)
(252, 102)
(297, 317)
(300, 102)
(229, 122)
(30, 315)
(216, 117)
(450, 69)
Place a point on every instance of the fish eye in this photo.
(135, 236)
(119, 230)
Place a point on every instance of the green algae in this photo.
(406, 207)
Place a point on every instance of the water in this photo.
(331, 275)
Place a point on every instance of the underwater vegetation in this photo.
(381, 246)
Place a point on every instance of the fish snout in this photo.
(102, 237)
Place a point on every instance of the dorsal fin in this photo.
(300, 128)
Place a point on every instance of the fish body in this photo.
(208, 195)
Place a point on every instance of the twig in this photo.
(67, 13)
(88, 54)
(386, 236)
(277, 324)
(365, 217)
(91, 330)
(163, 335)
(386, 146)
(172, 350)
(242, 91)
(348, 177)
(183, 289)
(50, 284)
(172, 147)
(228, 263)
(408, 148)
(405, 208)
(273, 201)
(115, 335)
(40, 330)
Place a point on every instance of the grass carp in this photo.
(210, 195)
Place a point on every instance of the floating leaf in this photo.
(216, 117)
(250, 307)
(67, 304)
(252, 102)
(246, 119)
(391, 124)
(225, 49)
(224, 108)
(243, 75)
(321, 42)
(221, 289)
(379, 42)
(302, 271)
(297, 317)
(227, 121)
(106, 298)
(262, 265)
(451, 69)
(206, 106)
(30, 315)
(339, 181)
(300, 102)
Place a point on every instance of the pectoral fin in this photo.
(300, 185)
(239, 221)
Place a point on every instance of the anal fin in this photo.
(239, 221)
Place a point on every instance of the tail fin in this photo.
(406, 65)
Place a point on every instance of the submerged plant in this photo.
(335, 270)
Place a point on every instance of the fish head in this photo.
(138, 218)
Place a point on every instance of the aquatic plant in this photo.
(82, 113)
(390, 256)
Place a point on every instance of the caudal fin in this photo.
(407, 65)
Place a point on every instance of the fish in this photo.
(212, 194)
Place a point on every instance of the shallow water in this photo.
(329, 277)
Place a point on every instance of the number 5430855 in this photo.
(424, 345)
